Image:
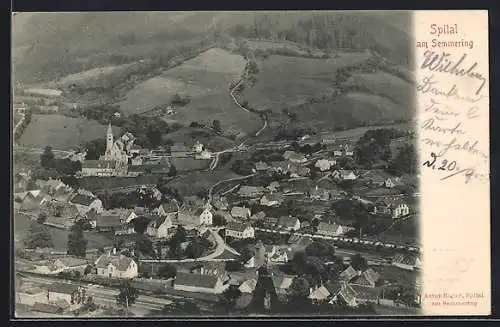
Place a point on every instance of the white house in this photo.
(330, 229)
(395, 207)
(325, 164)
(344, 175)
(199, 283)
(159, 226)
(392, 182)
(238, 230)
(118, 266)
(204, 155)
(197, 147)
(206, 217)
(272, 200)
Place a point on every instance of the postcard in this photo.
(320, 164)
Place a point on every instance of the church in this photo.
(114, 161)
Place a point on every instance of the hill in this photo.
(51, 45)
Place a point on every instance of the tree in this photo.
(228, 298)
(127, 295)
(321, 249)
(87, 270)
(194, 249)
(38, 237)
(405, 162)
(216, 125)
(172, 171)
(167, 271)
(218, 220)
(358, 262)
(95, 148)
(144, 246)
(47, 157)
(140, 224)
(77, 244)
(42, 217)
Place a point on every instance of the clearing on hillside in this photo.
(205, 80)
(95, 76)
(61, 132)
(291, 81)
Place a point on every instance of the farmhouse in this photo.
(70, 264)
(241, 212)
(159, 226)
(84, 203)
(250, 191)
(125, 229)
(318, 193)
(30, 296)
(119, 266)
(318, 294)
(98, 168)
(367, 278)
(272, 200)
(349, 274)
(407, 262)
(108, 220)
(294, 157)
(166, 208)
(344, 175)
(396, 208)
(74, 295)
(325, 164)
(199, 283)
(261, 166)
(330, 229)
(289, 223)
(344, 294)
(239, 230)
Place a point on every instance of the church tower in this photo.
(109, 140)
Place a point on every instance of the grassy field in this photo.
(208, 139)
(200, 181)
(404, 230)
(205, 80)
(59, 236)
(99, 183)
(61, 132)
(394, 88)
(290, 81)
(95, 76)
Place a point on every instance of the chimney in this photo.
(114, 251)
(109, 253)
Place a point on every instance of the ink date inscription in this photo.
(452, 169)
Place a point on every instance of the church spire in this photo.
(109, 139)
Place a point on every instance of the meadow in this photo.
(291, 81)
(61, 132)
(205, 79)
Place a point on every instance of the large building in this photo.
(114, 161)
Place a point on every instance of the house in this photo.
(62, 210)
(118, 266)
(282, 167)
(282, 283)
(128, 215)
(241, 212)
(85, 203)
(99, 168)
(159, 226)
(392, 182)
(31, 295)
(325, 164)
(396, 208)
(328, 139)
(52, 186)
(125, 229)
(407, 262)
(109, 220)
(343, 293)
(136, 161)
(166, 208)
(349, 274)
(343, 175)
(289, 223)
(258, 216)
(272, 200)
(239, 230)
(70, 264)
(279, 256)
(299, 171)
(330, 229)
(294, 157)
(319, 293)
(250, 191)
(31, 201)
(337, 153)
(367, 278)
(261, 166)
(199, 283)
(212, 268)
(206, 216)
(220, 203)
(197, 147)
(320, 194)
(273, 186)
(203, 155)
(73, 294)
(248, 286)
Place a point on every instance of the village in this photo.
(311, 229)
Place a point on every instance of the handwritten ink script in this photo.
(451, 109)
